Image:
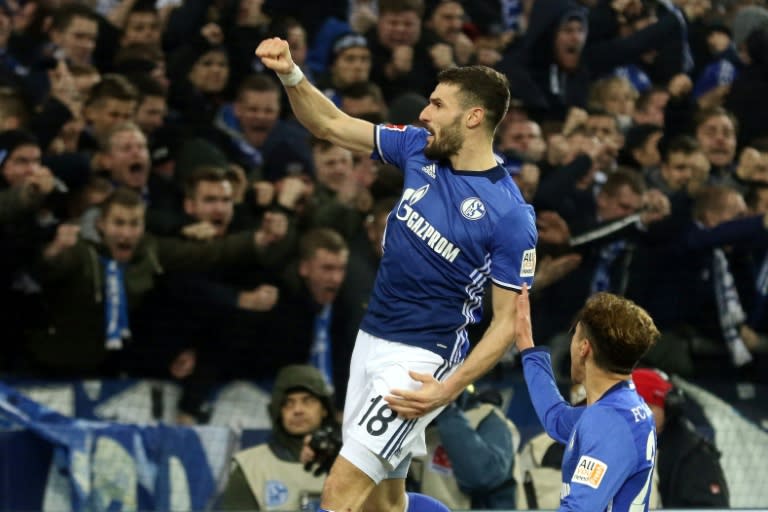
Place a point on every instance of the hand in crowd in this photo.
(700, 175)
(463, 49)
(273, 228)
(753, 165)
(749, 336)
(184, 364)
(275, 55)
(66, 237)
(291, 190)
(402, 60)
(576, 118)
(598, 150)
(64, 89)
(39, 182)
(549, 270)
(442, 56)
(558, 150)
(552, 228)
(307, 454)
(626, 9)
(680, 85)
(202, 230)
(260, 299)
(656, 206)
(239, 182)
(212, 33)
(263, 193)
(362, 17)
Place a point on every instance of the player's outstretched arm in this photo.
(316, 112)
(496, 340)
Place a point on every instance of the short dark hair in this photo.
(702, 116)
(320, 238)
(623, 177)
(258, 82)
(63, 16)
(619, 331)
(112, 86)
(204, 173)
(360, 90)
(644, 100)
(709, 198)
(600, 112)
(146, 86)
(483, 86)
(121, 196)
(681, 144)
(398, 6)
(320, 144)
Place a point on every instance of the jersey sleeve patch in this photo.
(589, 471)
(528, 264)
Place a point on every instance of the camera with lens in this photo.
(326, 443)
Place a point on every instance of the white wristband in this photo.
(292, 78)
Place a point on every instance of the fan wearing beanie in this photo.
(653, 388)
(687, 464)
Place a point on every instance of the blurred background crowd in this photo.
(162, 214)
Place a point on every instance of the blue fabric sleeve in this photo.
(394, 144)
(482, 459)
(514, 250)
(556, 415)
(607, 457)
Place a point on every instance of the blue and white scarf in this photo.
(115, 305)
(601, 279)
(729, 308)
(320, 354)
(761, 294)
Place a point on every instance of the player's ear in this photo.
(585, 347)
(475, 117)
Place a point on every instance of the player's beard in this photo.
(448, 144)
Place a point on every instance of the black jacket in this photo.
(690, 474)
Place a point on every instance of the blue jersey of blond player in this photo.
(450, 232)
(610, 446)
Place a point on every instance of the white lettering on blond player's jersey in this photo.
(641, 412)
(422, 228)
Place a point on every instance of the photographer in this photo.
(271, 476)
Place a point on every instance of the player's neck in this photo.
(598, 381)
(474, 155)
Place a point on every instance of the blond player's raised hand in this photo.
(275, 55)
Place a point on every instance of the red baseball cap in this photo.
(652, 385)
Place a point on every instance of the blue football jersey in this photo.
(610, 445)
(449, 233)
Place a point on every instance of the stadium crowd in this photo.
(163, 215)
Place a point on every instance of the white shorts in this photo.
(378, 366)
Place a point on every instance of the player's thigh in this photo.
(373, 424)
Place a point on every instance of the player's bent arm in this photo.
(326, 121)
(494, 343)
